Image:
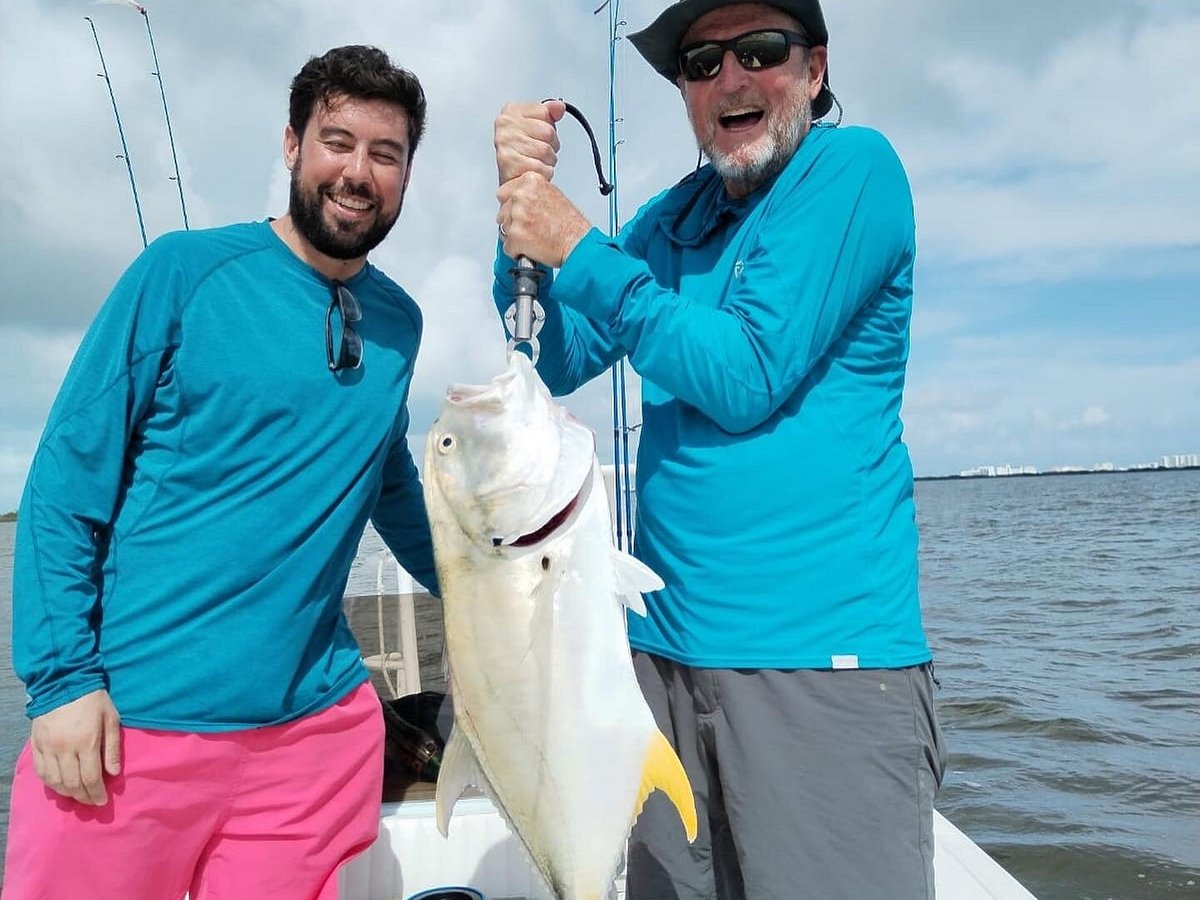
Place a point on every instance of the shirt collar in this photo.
(705, 207)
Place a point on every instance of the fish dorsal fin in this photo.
(459, 770)
(634, 578)
(664, 771)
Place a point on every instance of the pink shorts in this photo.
(265, 813)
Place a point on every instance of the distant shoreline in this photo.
(12, 516)
(1137, 471)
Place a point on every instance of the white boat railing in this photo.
(400, 667)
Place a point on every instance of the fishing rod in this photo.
(622, 488)
(157, 73)
(525, 316)
(120, 131)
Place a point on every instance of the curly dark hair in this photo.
(361, 72)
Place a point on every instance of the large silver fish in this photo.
(548, 718)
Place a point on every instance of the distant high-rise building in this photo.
(1180, 461)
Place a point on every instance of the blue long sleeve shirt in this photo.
(775, 494)
(196, 501)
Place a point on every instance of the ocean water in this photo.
(1064, 613)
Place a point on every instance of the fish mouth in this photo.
(553, 525)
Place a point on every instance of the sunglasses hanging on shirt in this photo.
(350, 349)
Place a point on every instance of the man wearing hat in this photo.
(765, 302)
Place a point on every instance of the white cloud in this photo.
(1004, 400)
(1052, 167)
(1043, 141)
(32, 364)
(930, 322)
(1094, 416)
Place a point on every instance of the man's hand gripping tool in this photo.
(524, 319)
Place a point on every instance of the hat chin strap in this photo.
(838, 104)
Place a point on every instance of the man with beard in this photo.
(202, 720)
(765, 301)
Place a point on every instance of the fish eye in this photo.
(446, 444)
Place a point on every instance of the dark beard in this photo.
(305, 211)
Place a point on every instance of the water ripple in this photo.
(1065, 617)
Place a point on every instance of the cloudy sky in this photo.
(1053, 147)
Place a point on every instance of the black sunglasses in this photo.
(753, 50)
(349, 354)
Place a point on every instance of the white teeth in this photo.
(350, 202)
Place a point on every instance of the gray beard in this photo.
(784, 134)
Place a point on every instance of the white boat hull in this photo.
(410, 856)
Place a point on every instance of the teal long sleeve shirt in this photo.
(195, 503)
(771, 333)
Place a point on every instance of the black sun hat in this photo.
(659, 41)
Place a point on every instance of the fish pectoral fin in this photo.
(459, 770)
(664, 771)
(634, 578)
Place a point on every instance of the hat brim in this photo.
(659, 41)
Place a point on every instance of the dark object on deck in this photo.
(413, 741)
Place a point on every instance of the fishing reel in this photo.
(524, 319)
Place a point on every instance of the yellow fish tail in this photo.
(664, 771)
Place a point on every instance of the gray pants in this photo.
(808, 783)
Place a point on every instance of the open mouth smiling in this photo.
(740, 119)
